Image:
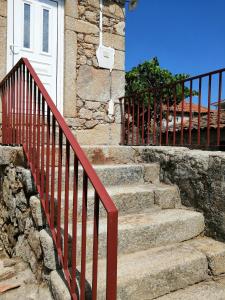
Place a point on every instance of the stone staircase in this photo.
(163, 252)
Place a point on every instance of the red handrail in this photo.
(188, 112)
(30, 118)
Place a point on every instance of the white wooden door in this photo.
(35, 36)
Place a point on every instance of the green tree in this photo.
(149, 76)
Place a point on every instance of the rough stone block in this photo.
(118, 85)
(114, 41)
(119, 60)
(90, 83)
(85, 27)
(214, 251)
(37, 211)
(71, 8)
(28, 182)
(49, 253)
(102, 134)
(58, 286)
(120, 28)
(151, 173)
(70, 62)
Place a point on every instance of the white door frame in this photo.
(60, 56)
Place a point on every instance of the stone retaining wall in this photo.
(200, 176)
(23, 229)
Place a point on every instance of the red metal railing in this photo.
(190, 112)
(59, 165)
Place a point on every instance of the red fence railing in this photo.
(64, 179)
(190, 112)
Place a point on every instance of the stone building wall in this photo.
(96, 86)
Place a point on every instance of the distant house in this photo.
(185, 107)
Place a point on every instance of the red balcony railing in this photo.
(190, 112)
(63, 176)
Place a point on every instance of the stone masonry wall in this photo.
(96, 86)
(23, 229)
(200, 176)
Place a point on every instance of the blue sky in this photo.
(186, 36)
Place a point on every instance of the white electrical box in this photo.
(106, 57)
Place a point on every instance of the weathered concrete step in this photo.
(209, 290)
(130, 199)
(114, 175)
(152, 273)
(146, 230)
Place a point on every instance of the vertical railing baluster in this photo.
(52, 201)
(149, 120)
(13, 106)
(182, 116)
(160, 122)
(38, 137)
(59, 190)
(143, 123)
(219, 108)
(167, 120)
(190, 116)
(10, 112)
(20, 105)
(84, 236)
(27, 110)
(66, 207)
(199, 109)
(111, 268)
(132, 121)
(23, 103)
(34, 148)
(155, 120)
(138, 122)
(3, 92)
(74, 224)
(47, 200)
(174, 114)
(17, 104)
(208, 113)
(30, 133)
(128, 122)
(123, 119)
(95, 248)
(42, 151)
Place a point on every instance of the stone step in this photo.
(129, 199)
(102, 154)
(166, 272)
(155, 272)
(114, 175)
(208, 290)
(214, 251)
(145, 230)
